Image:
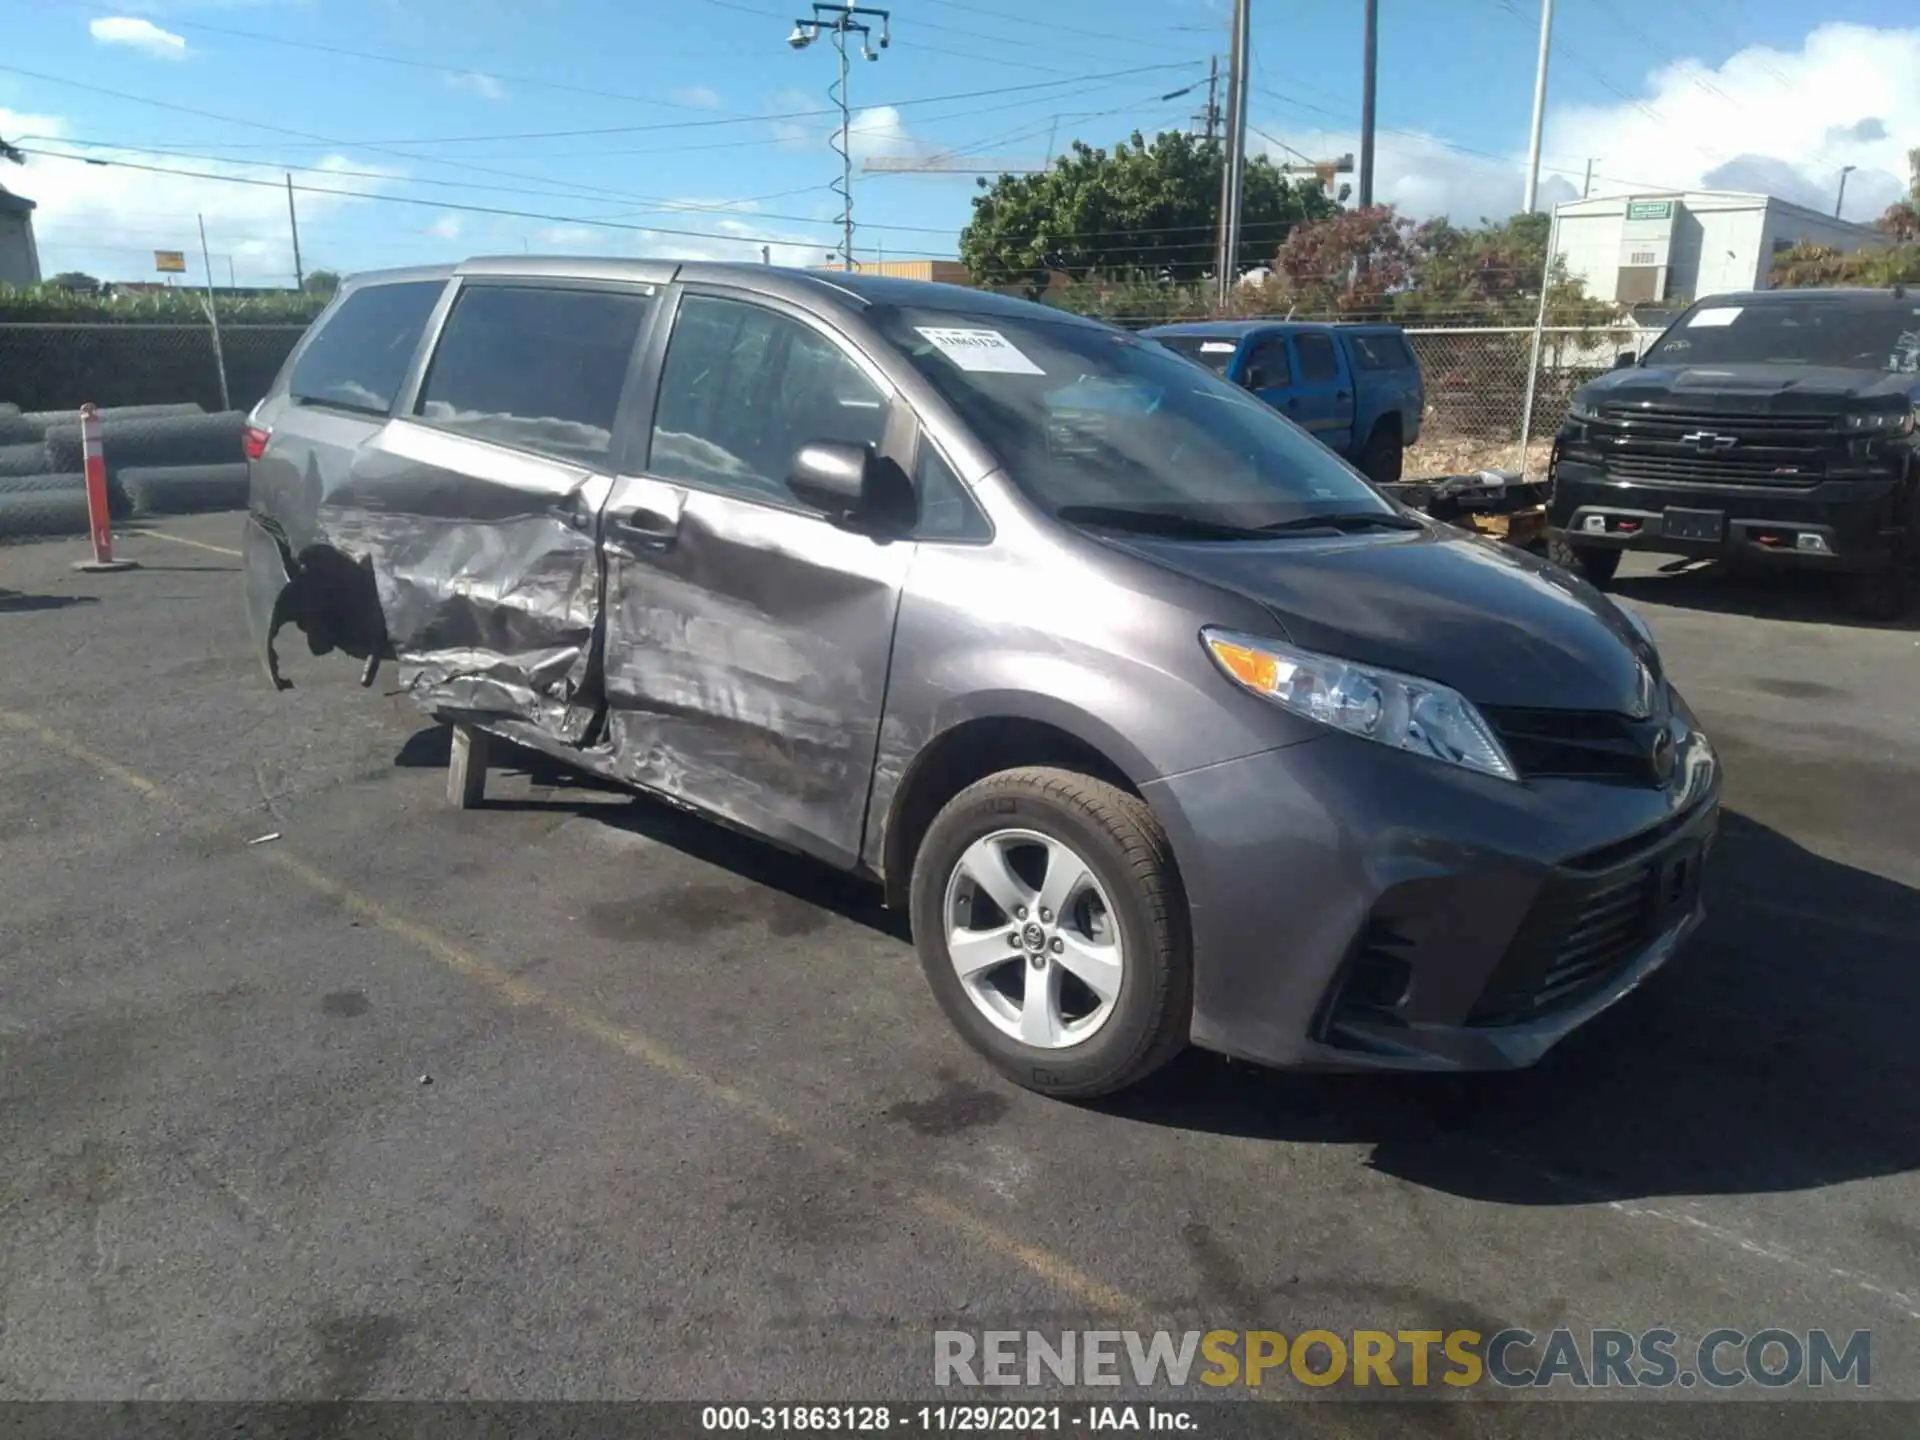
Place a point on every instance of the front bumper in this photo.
(1849, 523)
(1377, 910)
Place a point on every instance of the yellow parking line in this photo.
(179, 540)
(1055, 1270)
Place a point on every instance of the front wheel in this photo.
(1594, 565)
(1053, 930)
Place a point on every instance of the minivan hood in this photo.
(1496, 624)
(1745, 389)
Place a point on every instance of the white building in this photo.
(1678, 245)
(19, 260)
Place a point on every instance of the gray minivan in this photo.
(1159, 720)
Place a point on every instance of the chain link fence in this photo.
(61, 366)
(1477, 378)
(1477, 382)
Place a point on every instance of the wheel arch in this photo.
(984, 744)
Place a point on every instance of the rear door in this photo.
(747, 638)
(1322, 389)
(477, 508)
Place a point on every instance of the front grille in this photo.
(1580, 940)
(1708, 469)
(1657, 422)
(1577, 744)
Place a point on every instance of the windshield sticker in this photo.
(983, 350)
(1721, 315)
(1217, 347)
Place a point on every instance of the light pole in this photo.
(840, 21)
(1531, 202)
(1841, 198)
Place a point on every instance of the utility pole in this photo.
(1209, 118)
(1233, 172)
(1586, 185)
(293, 224)
(213, 317)
(839, 21)
(1370, 49)
(1841, 198)
(1539, 110)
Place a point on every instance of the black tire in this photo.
(1383, 458)
(39, 484)
(50, 512)
(18, 430)
(1592, 564)
(166, 440)
(183, 489)
(1121, 842)
(29, 458)
(8, 410)
(119, 412)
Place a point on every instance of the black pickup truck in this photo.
(1775, 427)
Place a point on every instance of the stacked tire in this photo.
(161, 460)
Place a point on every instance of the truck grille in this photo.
(1636, 465)
(1684, 422)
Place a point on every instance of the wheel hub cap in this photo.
(1030, 932)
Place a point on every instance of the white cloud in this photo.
(1782, 122)
(106, 220)
(701, 96)
(447, 227)
(570, 235)
(479, 83)
(138, 34)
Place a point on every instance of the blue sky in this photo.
(699, 113)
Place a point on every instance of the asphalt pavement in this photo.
(313, 1086)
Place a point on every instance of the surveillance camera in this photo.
(868, 54)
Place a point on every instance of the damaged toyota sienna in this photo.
(1161, 724)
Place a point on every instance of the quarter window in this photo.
(947, 512)
(359, 357)
(535, 368)
(744, 389)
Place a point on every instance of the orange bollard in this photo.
(99, 524)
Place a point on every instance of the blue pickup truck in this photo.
(1357, 388)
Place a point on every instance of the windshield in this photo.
(1098, 424)
(1209, 350)
(1872, 333)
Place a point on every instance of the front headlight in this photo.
(1878, 422)
(1401, 711)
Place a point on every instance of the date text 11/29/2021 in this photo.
(940, 1419)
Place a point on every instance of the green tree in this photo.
(74, 280)
(1345, 267)
(1808, 266)
(1143, 210)
(321, 282)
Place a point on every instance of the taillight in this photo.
(253, 440)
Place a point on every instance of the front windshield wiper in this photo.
(1155, 522)
(1347, 520)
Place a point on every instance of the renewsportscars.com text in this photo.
(1406, 1359)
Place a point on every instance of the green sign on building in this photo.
(1649, 210)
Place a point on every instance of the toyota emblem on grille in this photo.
(1706, 441)
(1663, 754)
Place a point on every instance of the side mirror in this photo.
(833, 477)
(1625, 360)
(1254, 379)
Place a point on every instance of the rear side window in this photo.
(359, 357)
(1317, 361)
(535, 368)
(1380, 351)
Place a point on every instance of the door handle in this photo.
(647, 528)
